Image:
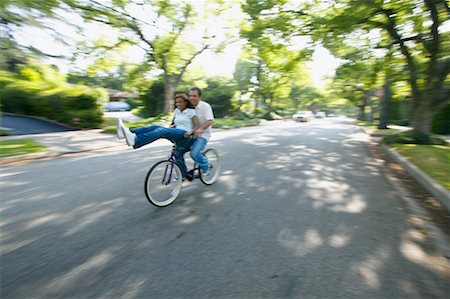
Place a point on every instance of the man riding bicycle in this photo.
(202, 134)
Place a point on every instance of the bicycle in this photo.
(164, 180)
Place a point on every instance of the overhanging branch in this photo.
(188, 62)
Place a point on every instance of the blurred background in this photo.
(381, 62)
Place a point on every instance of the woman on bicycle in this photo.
(183, 126)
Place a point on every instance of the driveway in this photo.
(124, 115)
(25, 125)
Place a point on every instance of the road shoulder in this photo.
(425, 212)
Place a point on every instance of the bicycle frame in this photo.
(173, 159)
(170, 178)
(166, 180)
(168, 172)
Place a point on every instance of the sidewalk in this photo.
(62, 143)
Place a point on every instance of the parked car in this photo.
(117, 106)
(320, 114)
(303, 116)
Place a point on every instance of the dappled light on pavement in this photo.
(290, 216)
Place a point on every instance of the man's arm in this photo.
(202, 128)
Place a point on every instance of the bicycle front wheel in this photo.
(163, 183)
(214, 167)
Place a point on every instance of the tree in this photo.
(280, 64)
(244, 71)
(412, 28)
(15, 14)
(219, 93)
(171, 33)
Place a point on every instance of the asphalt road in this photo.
(301, 210)
(24, 125)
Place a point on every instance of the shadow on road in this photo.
(316, 219)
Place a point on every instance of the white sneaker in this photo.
(129, 136)
(120, 134)
(206, 173)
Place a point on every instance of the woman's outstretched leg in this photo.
(144, 130)
(142, 136)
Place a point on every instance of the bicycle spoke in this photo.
(214, 167)
(163, 183)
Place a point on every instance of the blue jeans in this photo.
(196, 146)
(197, 155)
(182, 147)
(149, 134)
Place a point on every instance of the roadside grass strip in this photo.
(434, 160)
(15, 147)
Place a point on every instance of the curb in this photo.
(8, 161)
(13, 160)
(442, 194)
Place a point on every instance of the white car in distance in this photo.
(321, 114)
(303, 116)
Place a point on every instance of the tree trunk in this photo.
(269, 106)
(385, 99)
(169, 90)
(362, 108)
(369, 103)
(423, 114)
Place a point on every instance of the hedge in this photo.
(78, 106)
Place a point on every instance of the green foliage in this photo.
(432, 159)
(243, 72)
(399, 112)
(403, 39)
(413, 137)
(218, 94)
(229, 123)
(153, 100)
(15, 147)
(441, 122)
(49, 97)
(163, 120)
(134, 103)
(275, 70)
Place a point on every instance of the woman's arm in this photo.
(196, 125)
(172, 124)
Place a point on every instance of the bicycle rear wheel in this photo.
(214, 167)
(163, 183)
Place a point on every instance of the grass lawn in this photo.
(372, 128)
(226, 123)
(109, 124)
(434, 160)
(16, 147)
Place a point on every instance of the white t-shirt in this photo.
(204, 113)
(183, 119)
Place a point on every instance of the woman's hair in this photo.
(185, 98)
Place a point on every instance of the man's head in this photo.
(195, 95)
